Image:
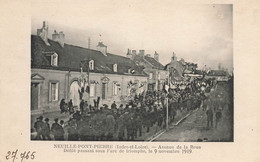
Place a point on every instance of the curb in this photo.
(159, 133)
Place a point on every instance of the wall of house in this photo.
(65, 78)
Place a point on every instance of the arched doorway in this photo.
(74, 93)
(104, 81)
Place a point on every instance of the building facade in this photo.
(157, 76)
(63, 71)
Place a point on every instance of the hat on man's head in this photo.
(46, 119)
(40, 117)
(56, 119)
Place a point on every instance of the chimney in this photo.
(129, 55)
(134, 52)
(174, 57)
(102, 48)
(59, 37)
(156, 56)
(141, 52)
(43, 33)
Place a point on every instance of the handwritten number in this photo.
(32, 155)
(27, 156)
(23, 155)
(14, 153)
(8, 154)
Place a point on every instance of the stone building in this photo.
(64, 71)
(182, 71)
(176, 69)
(152, 67)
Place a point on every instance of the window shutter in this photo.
(56, 91)
(56, 60)
(50, 91)
(52, 60)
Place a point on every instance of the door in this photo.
(103, 90)
(34, 95)
(74, 93)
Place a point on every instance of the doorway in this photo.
(74, 93)
(103, 90)
(34, 95)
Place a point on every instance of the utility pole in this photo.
(167, 102)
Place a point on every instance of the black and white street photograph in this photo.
(132, 73)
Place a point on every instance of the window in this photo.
(53, 91)
(115, 67)
(54, 60)
(159, 76)
(131, 71)
(91, 65)
(151, 76)
(92, 92)
(115, 88)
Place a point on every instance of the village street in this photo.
(194, 127)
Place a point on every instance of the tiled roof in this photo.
(70, 57)
(155, 63)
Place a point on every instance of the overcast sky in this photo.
(198, 33)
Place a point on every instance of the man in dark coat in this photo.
(38, 127)
(110, 126)
(81, 106)
(113, 106)
(218, 117)
(72, 131)
(71, 109)
(57, 130)
(62, 104)
(46, 130)
(209, 113)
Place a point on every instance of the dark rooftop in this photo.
(70, 57)
(155, 63)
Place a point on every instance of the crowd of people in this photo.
(125, 122)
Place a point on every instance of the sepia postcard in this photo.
(129, 81)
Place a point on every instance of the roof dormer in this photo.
(52, 57)
(91, 65)
(115, 67)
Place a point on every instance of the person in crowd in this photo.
(71, 109)
(72, 131)
(114, 106)
(209, 114)
(86, 108)
(218, 117)
(81, 106)
(77, 116)
(38, 125)
(57, 130)
(110, 126)
(62, 104)
(46, 130)
(62, 123)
